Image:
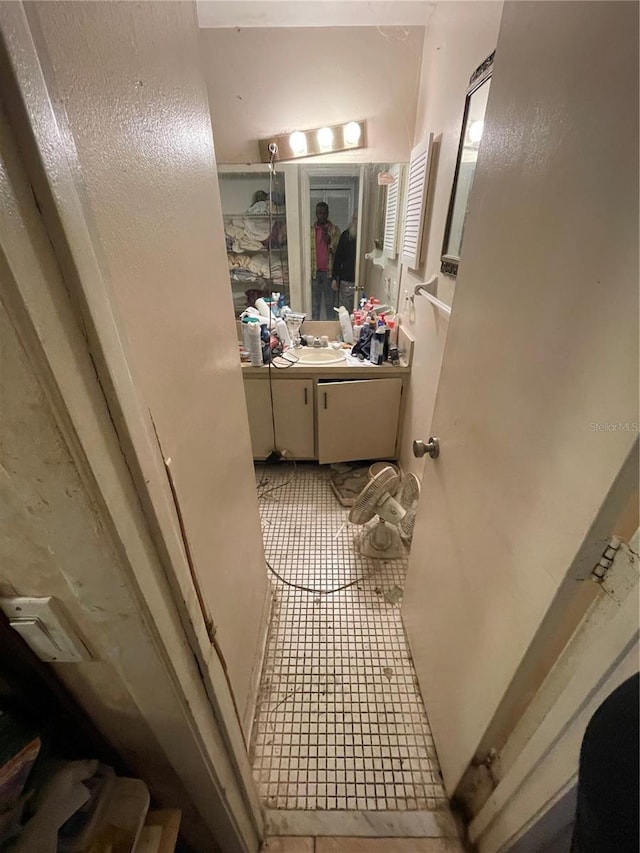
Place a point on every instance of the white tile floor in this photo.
(340, 722)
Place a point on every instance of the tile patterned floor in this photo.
(340, 722)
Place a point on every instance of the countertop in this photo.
(364, 370)
(333, 371)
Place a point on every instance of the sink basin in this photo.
(316, 356)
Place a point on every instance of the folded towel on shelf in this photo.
(247, 234)
(257, 229)
(262, 207)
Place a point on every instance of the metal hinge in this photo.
(606, 561)
(617, 570)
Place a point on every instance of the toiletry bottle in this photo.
(282, 332)
(393, 337)
(382, 324)
(264, 309)
(377, 347)
(244, 325)
(255, 344)
(345, 325)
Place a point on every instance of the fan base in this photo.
(382, 542)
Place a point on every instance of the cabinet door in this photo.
(358, 420)
(256, 393)
(293, 410)
(293, 404)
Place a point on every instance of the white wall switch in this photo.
(47, 630)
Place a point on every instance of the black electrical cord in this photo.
(310, 589)
(273, 411)
(270, 327)
(295, 585)
(262, 479)
(280, 485)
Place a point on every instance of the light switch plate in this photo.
(45, 627)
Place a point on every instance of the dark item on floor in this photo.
(19, 748)
(349, 479)
(607, 813)
(74, 835)
(347, 484)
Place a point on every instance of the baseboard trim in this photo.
(249, 716)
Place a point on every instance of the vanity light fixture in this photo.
(325, 138)
(352, 133)
(321, 140)
(298, 143)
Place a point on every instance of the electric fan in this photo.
(408, 498)
(382, 540)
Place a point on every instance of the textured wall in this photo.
(52, 543)
(268, 81)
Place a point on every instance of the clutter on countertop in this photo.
(370, 334)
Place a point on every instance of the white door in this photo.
(342, 202)
(537, 405)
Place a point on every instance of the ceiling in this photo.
(313, 13)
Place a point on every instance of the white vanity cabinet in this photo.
(357, 419)
(293, 405)
(324, 416)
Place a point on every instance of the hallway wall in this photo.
(133, 104)
(52, 543)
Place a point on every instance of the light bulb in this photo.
(325, 138)
(298, 143)
(351, 133)
(475, 131)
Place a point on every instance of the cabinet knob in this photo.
(421, 448)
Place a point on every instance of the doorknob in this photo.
(432, 447)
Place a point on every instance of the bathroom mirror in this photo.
(472, 126)
(269, 223)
